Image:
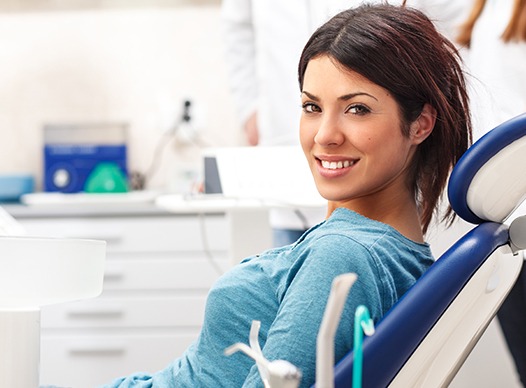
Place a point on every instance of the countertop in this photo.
(122, 205)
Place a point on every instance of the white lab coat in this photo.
(497, 68)
(263, 43)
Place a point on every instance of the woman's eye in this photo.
(309, 107)
(358, 109)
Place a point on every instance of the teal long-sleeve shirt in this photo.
(286, 289)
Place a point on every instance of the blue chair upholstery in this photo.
(424, 339)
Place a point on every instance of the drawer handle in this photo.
(98, 352)
(109, 314)
(113, 276)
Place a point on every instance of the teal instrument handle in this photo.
(363, 324)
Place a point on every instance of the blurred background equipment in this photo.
(13, 186)
(85, 157)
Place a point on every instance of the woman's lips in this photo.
(334, 168)
(336, 165)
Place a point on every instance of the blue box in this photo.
(71, 153)
(68, 167)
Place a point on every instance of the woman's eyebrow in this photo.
(310, 95)
(345, 97)
(352, 95)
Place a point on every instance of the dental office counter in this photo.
(160, 265)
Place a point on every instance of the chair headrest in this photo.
(489, 182)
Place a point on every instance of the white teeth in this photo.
(336, 165)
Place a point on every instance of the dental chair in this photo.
(426, 337)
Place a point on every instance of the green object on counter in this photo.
(106, 177)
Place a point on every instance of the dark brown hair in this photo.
(399, 49)
(515, 30)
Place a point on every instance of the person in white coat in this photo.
(263, 41)
(495, 34)
(497, 64)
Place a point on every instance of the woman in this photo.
(385, 117)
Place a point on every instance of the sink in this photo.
(35, 272)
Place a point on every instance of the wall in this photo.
(99, 65)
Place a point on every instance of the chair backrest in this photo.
(425, 338)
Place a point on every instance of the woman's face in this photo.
(350, 131)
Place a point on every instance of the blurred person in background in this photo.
(263, 40)
(495, 35)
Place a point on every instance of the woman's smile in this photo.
(333, 167)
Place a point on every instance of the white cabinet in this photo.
(158, 271)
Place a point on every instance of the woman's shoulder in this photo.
(348, 236)
(345, 224)
(365, 231)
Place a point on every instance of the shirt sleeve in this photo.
(240, 54)
(293, 334)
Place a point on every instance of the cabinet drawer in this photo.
(139, 234)
(197, 273)
(89, 361)
(176, 311)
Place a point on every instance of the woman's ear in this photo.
(422, 127)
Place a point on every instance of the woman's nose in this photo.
(329, 133)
